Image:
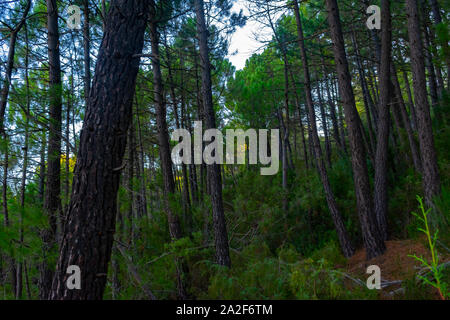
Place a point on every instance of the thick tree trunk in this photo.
(220, 229)
(381, 156)
(373, 241)
(52, 199)
(431, 179)
(90, 226)
(344, 239)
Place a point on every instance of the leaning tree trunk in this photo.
(90, 225)
(431, 180)
(381, 156)
(52, 199)
(9, 66)
(344, 239)
(373, 241)
(406, 121)
(220, 228)
(87, 51)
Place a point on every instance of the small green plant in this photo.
(433, 266)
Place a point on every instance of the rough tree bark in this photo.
(215, 185)
(344, 239)
(381, 156)
(431, 180)
(52, 199)
(90, 225)
(87, 50)
(373, 241)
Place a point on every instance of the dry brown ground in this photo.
(395, 263)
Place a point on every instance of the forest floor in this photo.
(395, 264)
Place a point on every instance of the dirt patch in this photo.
(395, 263)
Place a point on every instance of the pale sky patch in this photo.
(243, 44)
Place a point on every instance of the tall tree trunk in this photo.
(406, 121)
(438, 20)
(220, 228)
(342, 129)
(90, 226)
(324, 125)
(87, 50)
(130, 177)
(52, 200)
(432, 82)
(431, 179)
(143, 212)
(10, 65)
(344, 239)
(381, 156)
(164, 148)
(300, 121)
(192, 168)
(368, 102)
(69, 108)
(7, 222)
(373, 241)
(42, 169)
(332, 108)
(24, 166)
(412, 107)
(185, 186)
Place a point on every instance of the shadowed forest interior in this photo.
(92, 90)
